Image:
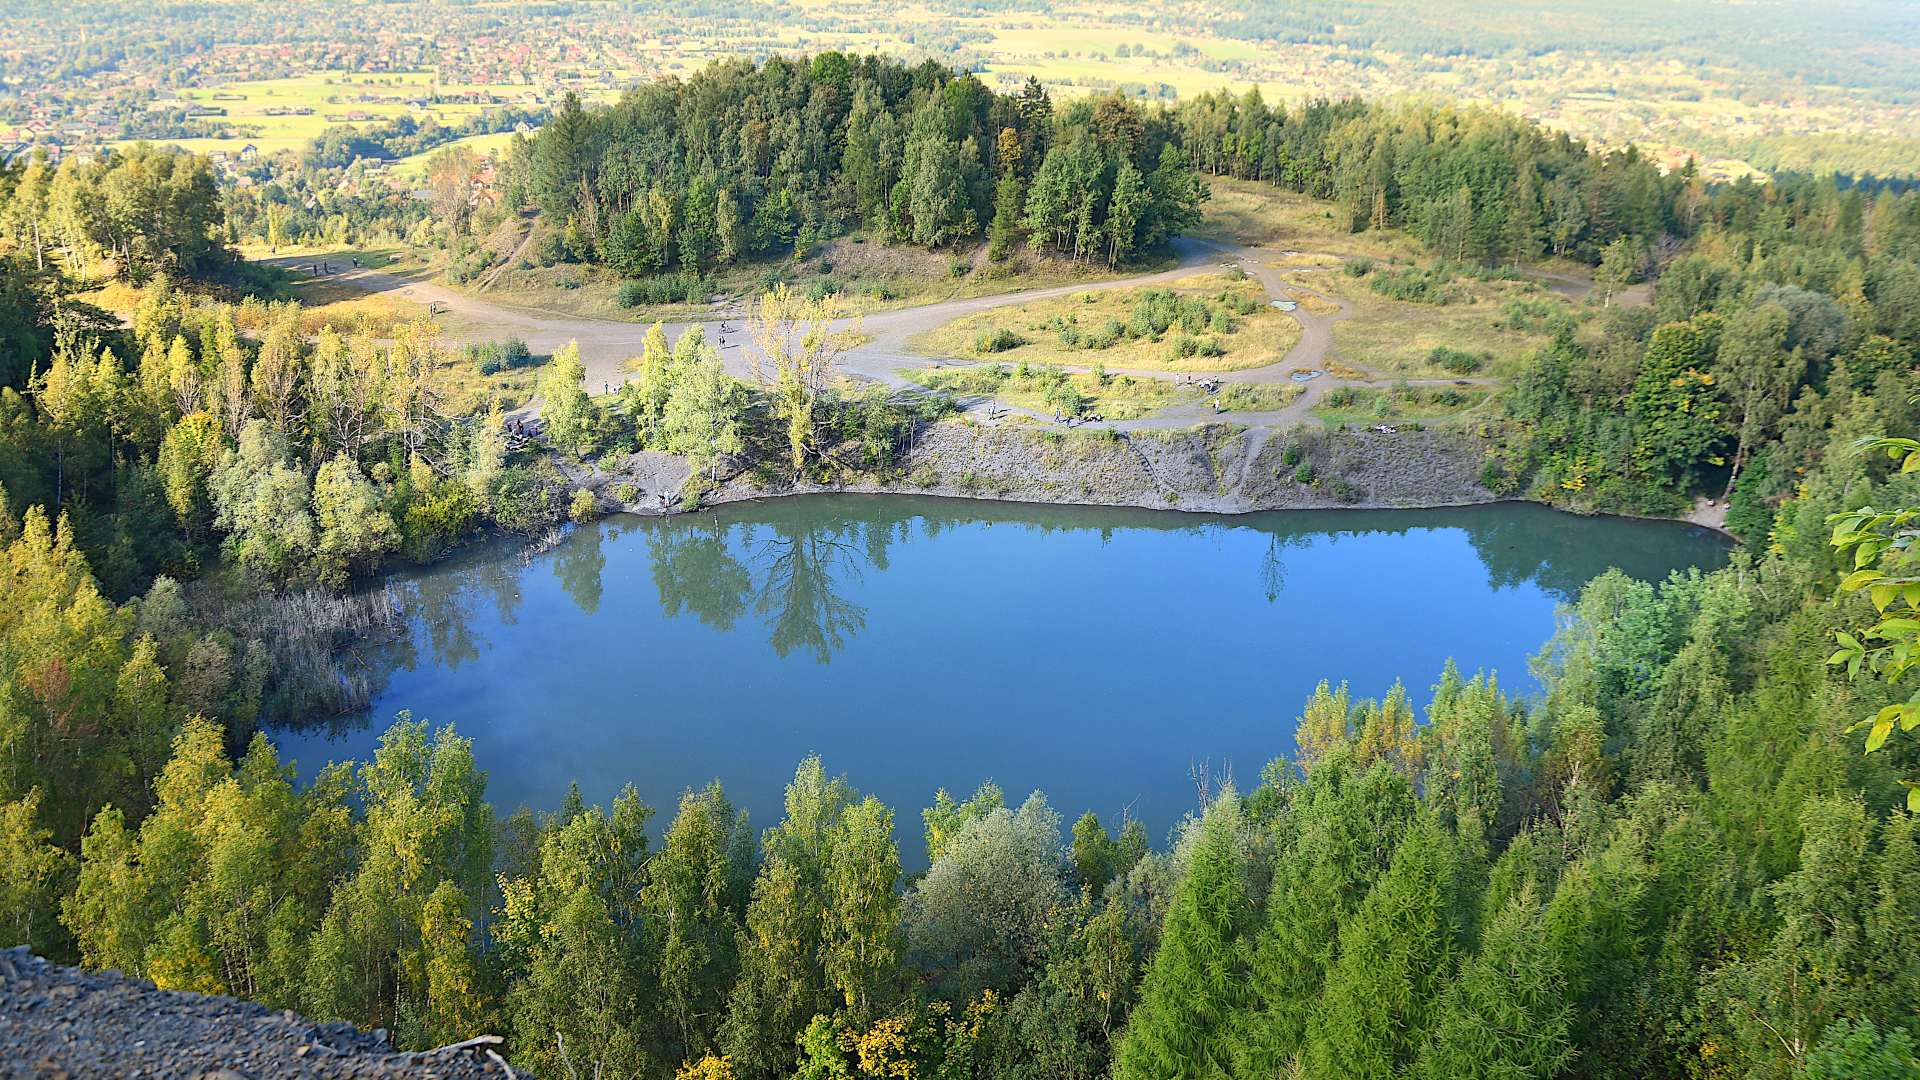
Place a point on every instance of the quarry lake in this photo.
(1100, 655)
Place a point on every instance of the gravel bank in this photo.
(1213, 468)
(58, 1023)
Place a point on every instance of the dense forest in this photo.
(1674, 861)
(742, 159)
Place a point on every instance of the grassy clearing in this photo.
(1109, 326)
(1498, 323)
(1023, 270)
(1115, 397)
(1259, 397)
(1254, 214)
(1365, 405)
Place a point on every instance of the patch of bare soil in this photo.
(852, 258)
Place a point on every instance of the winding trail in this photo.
(606, 344)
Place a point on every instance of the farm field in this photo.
(333, 99)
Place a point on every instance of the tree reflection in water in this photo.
(789, 572)
(790, 563)
(797, 594)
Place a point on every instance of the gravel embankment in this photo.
(1212, 468)
(61, 1023)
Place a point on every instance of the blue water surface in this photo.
(1103, 656)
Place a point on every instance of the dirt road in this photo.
(605, 345)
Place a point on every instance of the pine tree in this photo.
(1194, 995)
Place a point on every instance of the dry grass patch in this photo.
(1259, 397)
(1313, 303)
(1023, 270)
(1110, 327)
(1398, 338)
(1360, 404)
(1114, 397)
(1254, 214)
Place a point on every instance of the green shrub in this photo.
(999, 340)
(435, 520)
(584, 507)
(1358, 267)
(1106, 334)
(1457, 361)
(493, 357)
(666, 289)
(524, 500)
(1291, 455)
(1304, 473)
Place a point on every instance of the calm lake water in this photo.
(1100, 655)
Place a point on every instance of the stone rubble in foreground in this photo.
(62, 1023)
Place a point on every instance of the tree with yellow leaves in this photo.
(798, 360)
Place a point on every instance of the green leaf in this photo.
(1883, 595)
(1860, 579)
(1878, 736)
(1848, 640)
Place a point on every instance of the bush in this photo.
(1304, 473)
(1291, 455)
(1455, 360)
(1358, 267)
(1191, 311)
(627, 493)
(584, 507)
(666, 289)
(958, 267)
(822, 287)
(1491, 474)
(1106, 334)
(434, 520)
(523, 500)
(493, 357)
(999, 340)
(1153, 313)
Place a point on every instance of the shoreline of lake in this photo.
(1210, 469)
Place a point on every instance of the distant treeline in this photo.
(1472, 184)
(403, 136)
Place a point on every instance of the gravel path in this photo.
(61, 1023)
(606, 344)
